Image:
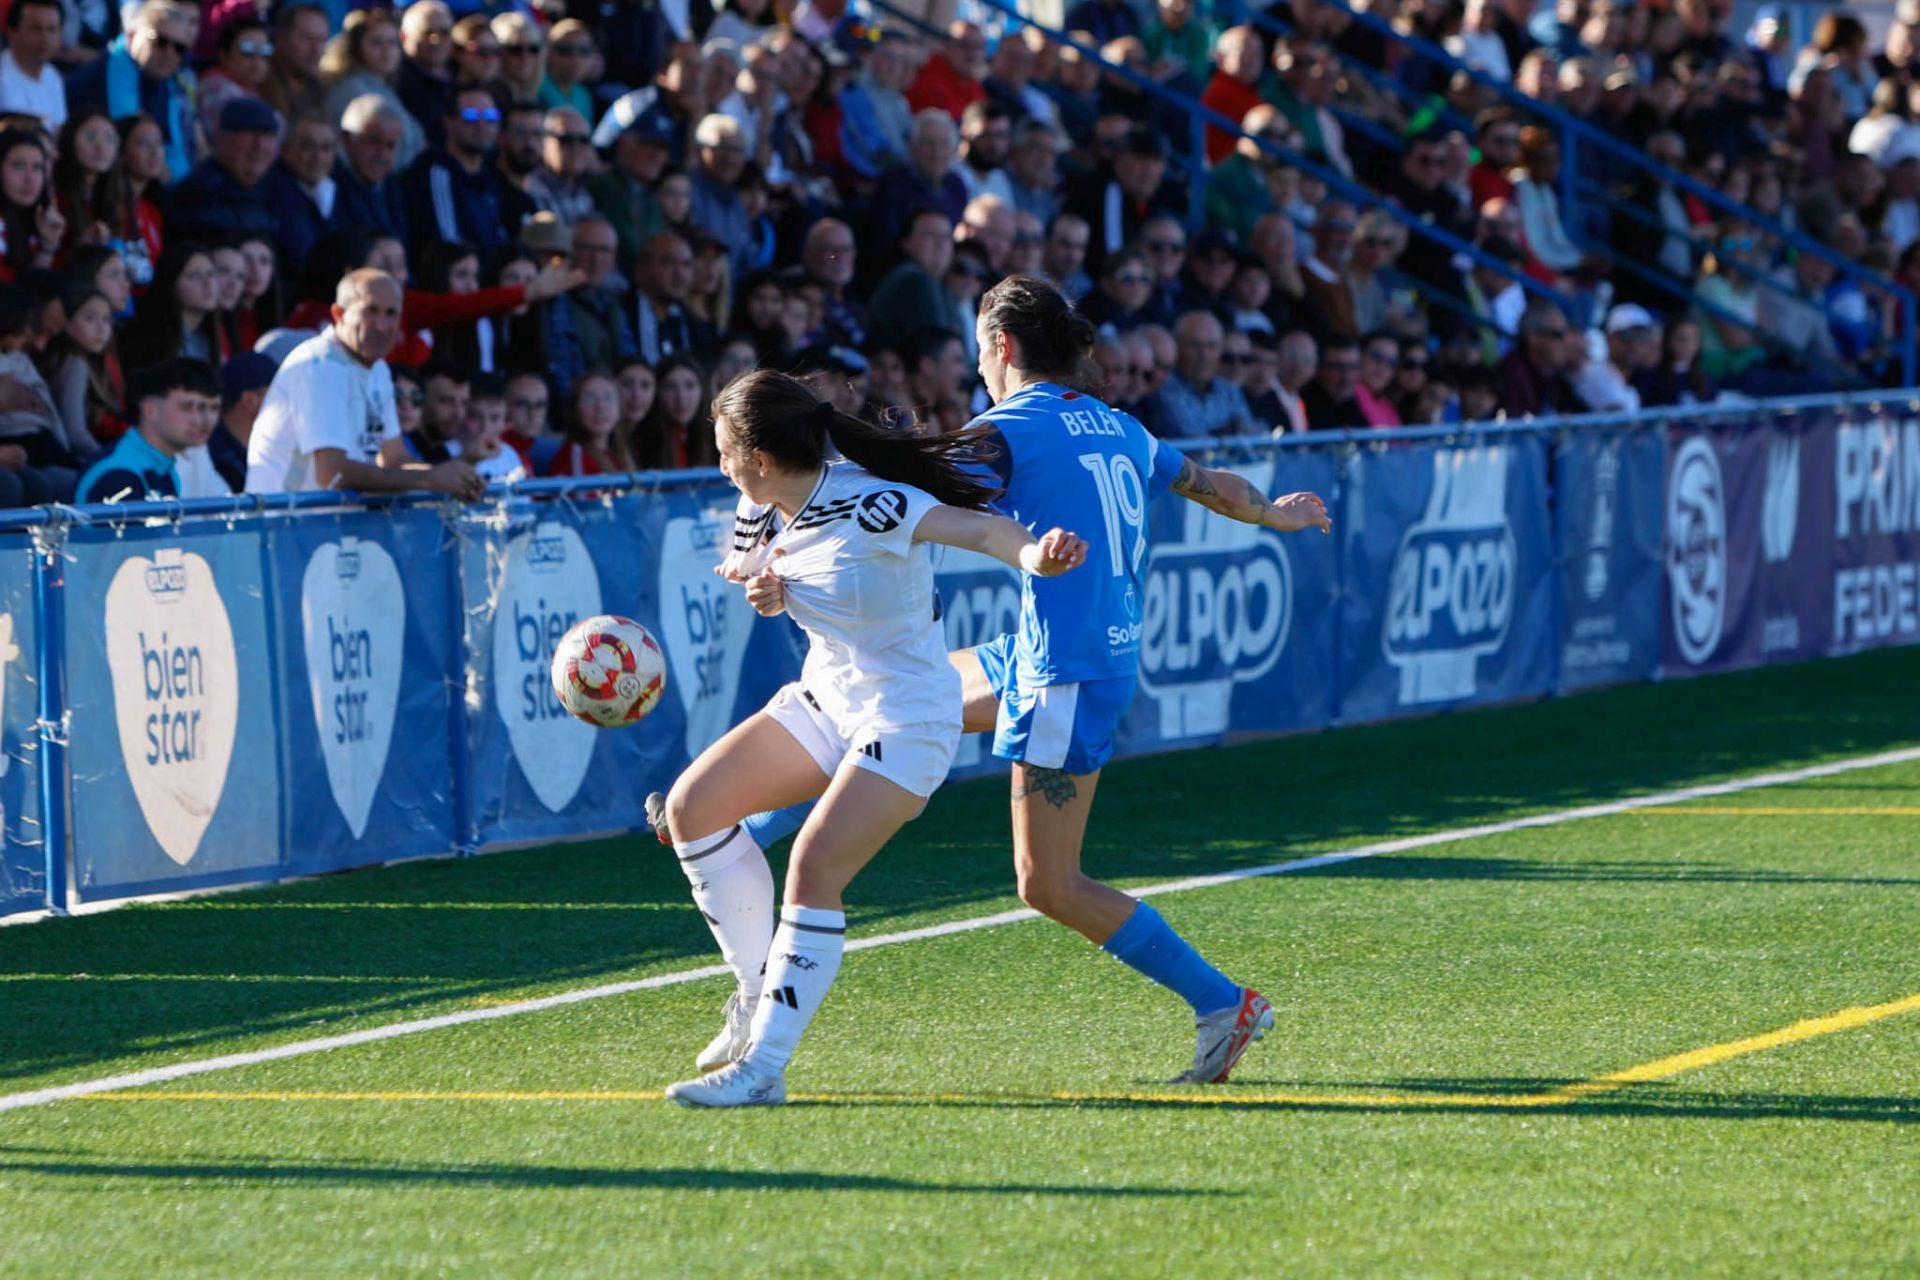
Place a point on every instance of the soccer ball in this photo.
(608, 671)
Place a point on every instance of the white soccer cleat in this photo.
(1224, 1036)
(734, 1085)
(731, 1044)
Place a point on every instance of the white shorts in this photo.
(915, 758)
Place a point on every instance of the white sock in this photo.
(805, 957)
(733, 887)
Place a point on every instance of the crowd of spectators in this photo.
(326, 244)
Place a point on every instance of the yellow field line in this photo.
(1787, 811)
(1566, 1095)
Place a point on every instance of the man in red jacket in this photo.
(1238, 59)
(954, 77)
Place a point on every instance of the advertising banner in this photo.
(1608, 490)
(1238, 625)
(1873, 511)
(364, 614)
(530, 574)
(1448, 575)
(22, 856)
(174, 756)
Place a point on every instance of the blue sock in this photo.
(1148, 944)
(768, 829)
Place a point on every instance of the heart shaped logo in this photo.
(176, 692)
(8, 652)
(353, 610)
(704, 623)
(548, 584)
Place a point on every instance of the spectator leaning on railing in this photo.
(329, 420)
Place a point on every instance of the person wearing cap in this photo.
(1631, 345)
(1118, 200)
(244, 380)
(139, 74)
(1207, 283)
(226, 193)
(623, 191)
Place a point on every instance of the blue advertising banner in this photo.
(318, 689)
(23, 880)
(1238, 627)
(1873, 511)
(532, 573)
(175, 760)
(1449, 576)
(1712, 614)
(364, 617)
(1608, 488)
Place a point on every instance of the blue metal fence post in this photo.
(466, 840)
(49, 582)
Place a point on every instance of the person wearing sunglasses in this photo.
(570, 54)
(558, 185)
(243, 63)
(453, 193)
(1531, 381)
(1196, 399)
(139, 74)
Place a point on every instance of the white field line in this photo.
(391, 1031)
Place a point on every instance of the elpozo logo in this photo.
(1697, 549)
(1216, 608)
(1450, 596)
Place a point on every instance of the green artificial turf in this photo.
(991, 1102)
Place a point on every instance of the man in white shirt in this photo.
(329, 419)
(28, 83)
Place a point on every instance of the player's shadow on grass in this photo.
(222, 1174)
(1582, 870)
(1640, 1102)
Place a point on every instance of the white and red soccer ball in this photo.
(609, 671)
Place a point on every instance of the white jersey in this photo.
(862, 589)
(321, 398)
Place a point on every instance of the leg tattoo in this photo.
(1055, 786)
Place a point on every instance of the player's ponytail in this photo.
(771, 411)
(1054, 342)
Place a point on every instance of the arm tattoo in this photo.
(1055, 786)
(1193, 480)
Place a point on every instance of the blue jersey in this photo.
(1068, 460)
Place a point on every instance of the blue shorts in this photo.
(1056, 726)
